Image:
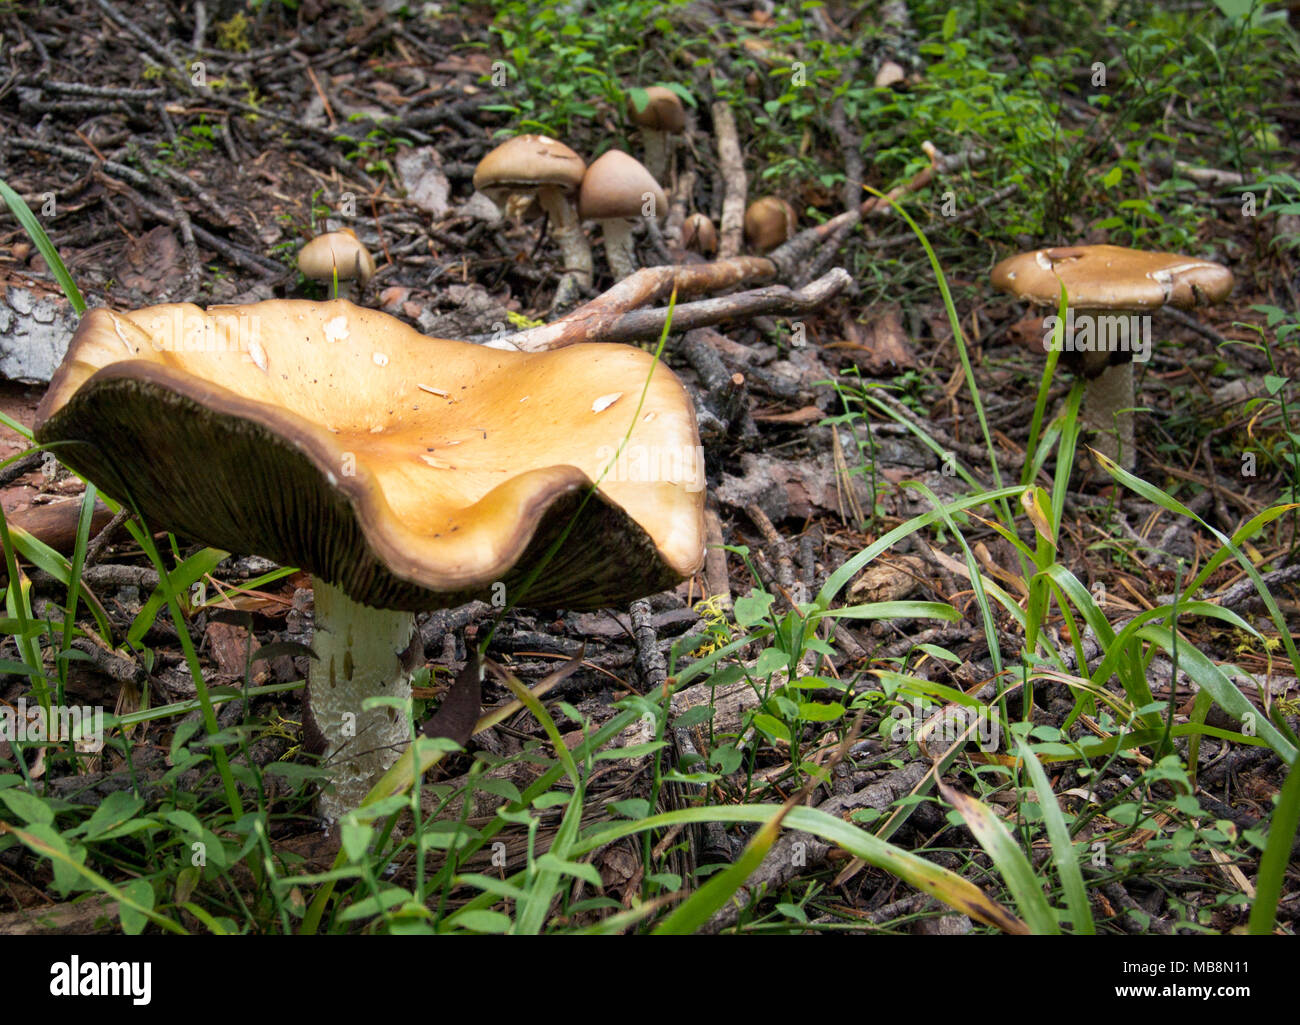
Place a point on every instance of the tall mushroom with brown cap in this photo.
(769, 222)
(1102, 282)
(403, 472)
(616, 191)
(537, 165)
(336, 256)
(662, 117)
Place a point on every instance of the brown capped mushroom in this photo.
(699, 235)
(537, 165)
(1102, 282)
(660, 119)
(617, 191)
(336, 252)
(403, 472)
(769, 222)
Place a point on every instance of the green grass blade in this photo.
(1010, 860)
(36, 233)
(1277, 856)
(1064, 855)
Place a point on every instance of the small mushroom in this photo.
(537, 165)
(699, 235)
(616, 191)
(890, 74)
(336, 256)
(660, 119)
(415, 482)
(1101, 282)
(769, 222)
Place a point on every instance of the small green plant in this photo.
(191, 141)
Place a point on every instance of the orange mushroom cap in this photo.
(411, 472)
(1104, 277)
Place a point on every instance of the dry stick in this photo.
(128, 174)
(650, 664)
(644, 325)
(200, 24)
(850, 146)
(81, 89)
(683, 187)
(715, 559)
(112, 166)
(773, 539)
(732, 166)
(144, 38)
(647, 285)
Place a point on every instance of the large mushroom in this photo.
(617, 191)
(660, 119)
(403, 472)
(538, 166)
(1104, 286)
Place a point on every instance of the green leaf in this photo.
(772, 726)
(752, 609)
(632, 808)
(579, 869)
(134, 919)
(481, 921)
(813, 711)
(115, 811)
(694, 717)
(27, 807)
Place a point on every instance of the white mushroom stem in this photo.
(656, 153)
(359, 654)
(567, 229)
(1108, 410)
(618, 247)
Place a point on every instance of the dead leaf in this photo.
(891, 580)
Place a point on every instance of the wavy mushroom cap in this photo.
(663, 112)
(411, 472)
(616, 186)
(1113, 278)
(341, 249)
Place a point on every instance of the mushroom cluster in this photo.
(403, 472)
(616, 190)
